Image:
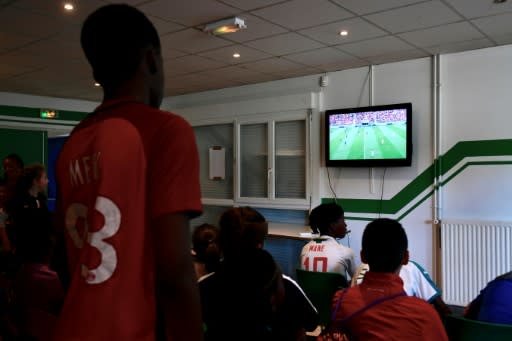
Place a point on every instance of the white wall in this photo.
(475, 96)
(477, 105)
(475, 102)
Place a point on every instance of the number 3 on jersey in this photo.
(319, 264)
(112, 220)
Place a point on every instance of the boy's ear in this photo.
(363, 257)
(151, 61)
(405, 258)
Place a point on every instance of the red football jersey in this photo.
(124, 165)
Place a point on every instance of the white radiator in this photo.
(472, 254)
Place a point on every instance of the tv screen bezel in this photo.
(404, 162)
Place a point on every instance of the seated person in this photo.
(325, 254)
(205, 249)
(37, 289)
(379, 308)
(243, 229)
(417, 283)
(239, 300)
(494, 303)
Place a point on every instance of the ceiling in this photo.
(40, 52)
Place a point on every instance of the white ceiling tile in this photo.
(240, 74)
(504, 40)
(479, 8)
(40, 40)
(163, 27)
(8, 71)
(496, 27)
(397, 56)
(327, 55)
(272, 65)
(250, 4)
(375, 47)
(225, 54)
(460, 46)
(369, 6)
(357, 28)
(298, 14)
(256, 28)
(284, 44)
(30, 23)
(56, 8)
(441, 35)
(53, 50)
(192, 41)
(190, 12)
(414, 17)
(299, 72)
(10, 41)
(169, 53)
(189, 64)
(198, 79)
(344, 65)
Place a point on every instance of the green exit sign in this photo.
(47, 113)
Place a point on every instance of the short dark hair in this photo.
(205, 243)
(322, 216)
(241, 228)
(16, 158)
(30, 173)
(113, 39)
(384, 245)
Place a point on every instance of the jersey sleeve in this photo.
(425, 288)
(351, 268)
(173, 173)
(359, 274)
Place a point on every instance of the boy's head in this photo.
(34, 176)
(241, 228)
(115, 39)
(13, 167)
(328, 219)
(384, 245)
(205, 244)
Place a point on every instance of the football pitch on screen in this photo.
(368, 142)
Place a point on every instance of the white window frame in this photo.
(271, 201)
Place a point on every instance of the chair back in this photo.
(320, 288)
(463, 329)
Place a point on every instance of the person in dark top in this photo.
(13, 169)
(494, 303)
(240, 297)
(28, 210)
(243, 229)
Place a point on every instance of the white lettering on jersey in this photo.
(112, 221)
(80, 170)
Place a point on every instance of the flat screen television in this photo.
(376, 136)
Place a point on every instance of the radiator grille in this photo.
(472, 254)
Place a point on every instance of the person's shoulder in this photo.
(415, 304)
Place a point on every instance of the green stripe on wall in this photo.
(424, 180)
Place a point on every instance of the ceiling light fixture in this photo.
(97, 84)
(68, 6)
(225, 26)
(236, 55)
(343, 33)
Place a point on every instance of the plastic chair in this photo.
(320, 288)
(463, 329)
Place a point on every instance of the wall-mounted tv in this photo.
(376, 136)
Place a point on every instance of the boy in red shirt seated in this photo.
(379, 309)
